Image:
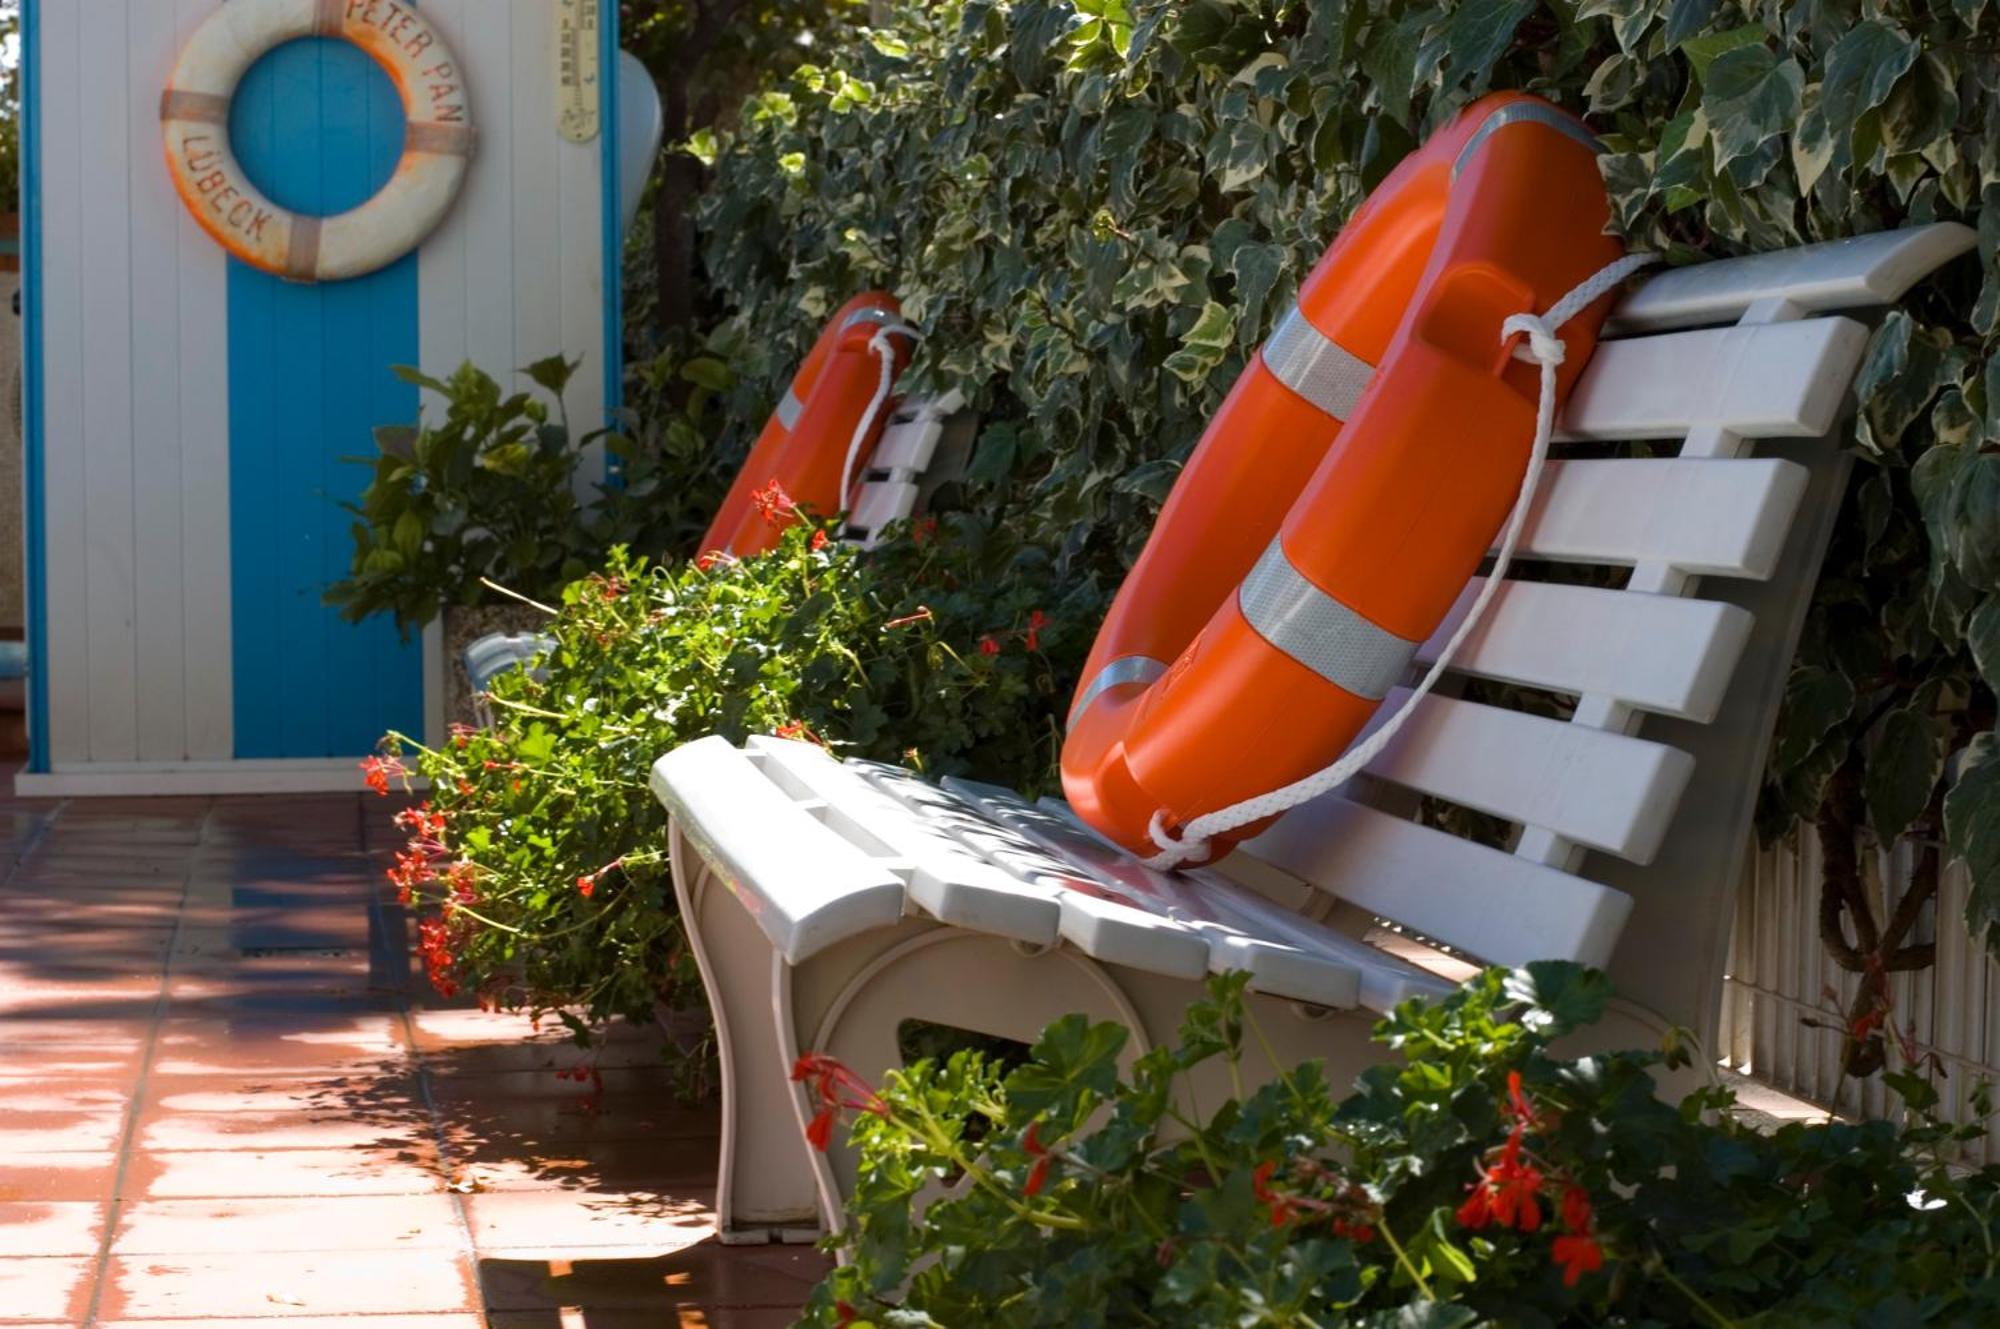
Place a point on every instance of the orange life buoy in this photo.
(437, 138)
(1349, 485)
(832, 410)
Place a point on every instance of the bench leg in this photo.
(765, 1184)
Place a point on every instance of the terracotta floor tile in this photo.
(44, 1288)
(521, 1223)
(45, 1176)
(64, 1093)
(280, 1225)
(259, 1131)
(411, 1168)
(224, 1045)
(51, 1227)
(448, 1320)
(316, 1283)
(705, 1275)
(321, 1092)
(630, 1166)
(60, 1132)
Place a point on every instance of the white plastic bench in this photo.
(830, 902)
(890, 490)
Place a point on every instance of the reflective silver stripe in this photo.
(1125, 669)
(1319, 631)
(870, 315)
(1315, 366)
(789, 409)
(1517, 113)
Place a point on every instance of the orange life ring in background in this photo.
(1349, 485)
(437, 141)
(805, 444)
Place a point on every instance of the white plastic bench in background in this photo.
(890, 490)
(829, 902)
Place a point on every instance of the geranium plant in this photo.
(539, 857)
(1477, 1178)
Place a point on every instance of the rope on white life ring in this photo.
(437, 142)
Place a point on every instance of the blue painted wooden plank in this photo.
(318, 126)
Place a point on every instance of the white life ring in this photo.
(437, 144)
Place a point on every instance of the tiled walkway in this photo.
(223, 1102)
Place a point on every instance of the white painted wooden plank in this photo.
(65, 355)
(538, 210)
(441, 263)
(1599, 789)
(578, 330)
(109, 559)
(1482, 900)
(805, 886)
(154, 224)
(1723, 518)
(1662, 653)
(1858, 273)
(1773, 380)
(484, 216)
(208, 651)
(941, 876)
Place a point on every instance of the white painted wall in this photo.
(135, 386)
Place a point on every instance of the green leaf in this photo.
(1477, 34)
(1750, 96)
(1816, 700)
(1686, 18)
(1972, 834)
(1982, 634)
(1903, 768)
(1702, 52)
(1560, 995)
(708, 372)
(1073, 1065)
(553, 373)
(1861, 70)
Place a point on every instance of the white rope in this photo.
(1543, 347)
(879, 344)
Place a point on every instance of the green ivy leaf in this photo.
(1475, 36)
(1972, 834)
(1750, 96)
(1982, 635)
(1903, 768)
(1861, 71)
(1703, 52)
(1816, 700)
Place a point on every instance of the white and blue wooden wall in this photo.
(190, 418)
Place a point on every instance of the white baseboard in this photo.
(165, 779)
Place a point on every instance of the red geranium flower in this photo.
(988, 646)
(1281, 1206)
(774, 504)
(818, 540)
(837, 1088)
(1038, 1174)
(1578, 1256)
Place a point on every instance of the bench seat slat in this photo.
(1776, 380)
(1660, 653)
(1600, 789)
(1101, 927)
(879, 503)
(805, 886)
(943, 879)
(1286, 955)
(1501, 908)
(1719, 517)
(1857, 273)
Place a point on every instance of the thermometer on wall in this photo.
(577, 54)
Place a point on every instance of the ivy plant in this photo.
(1097, 209)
